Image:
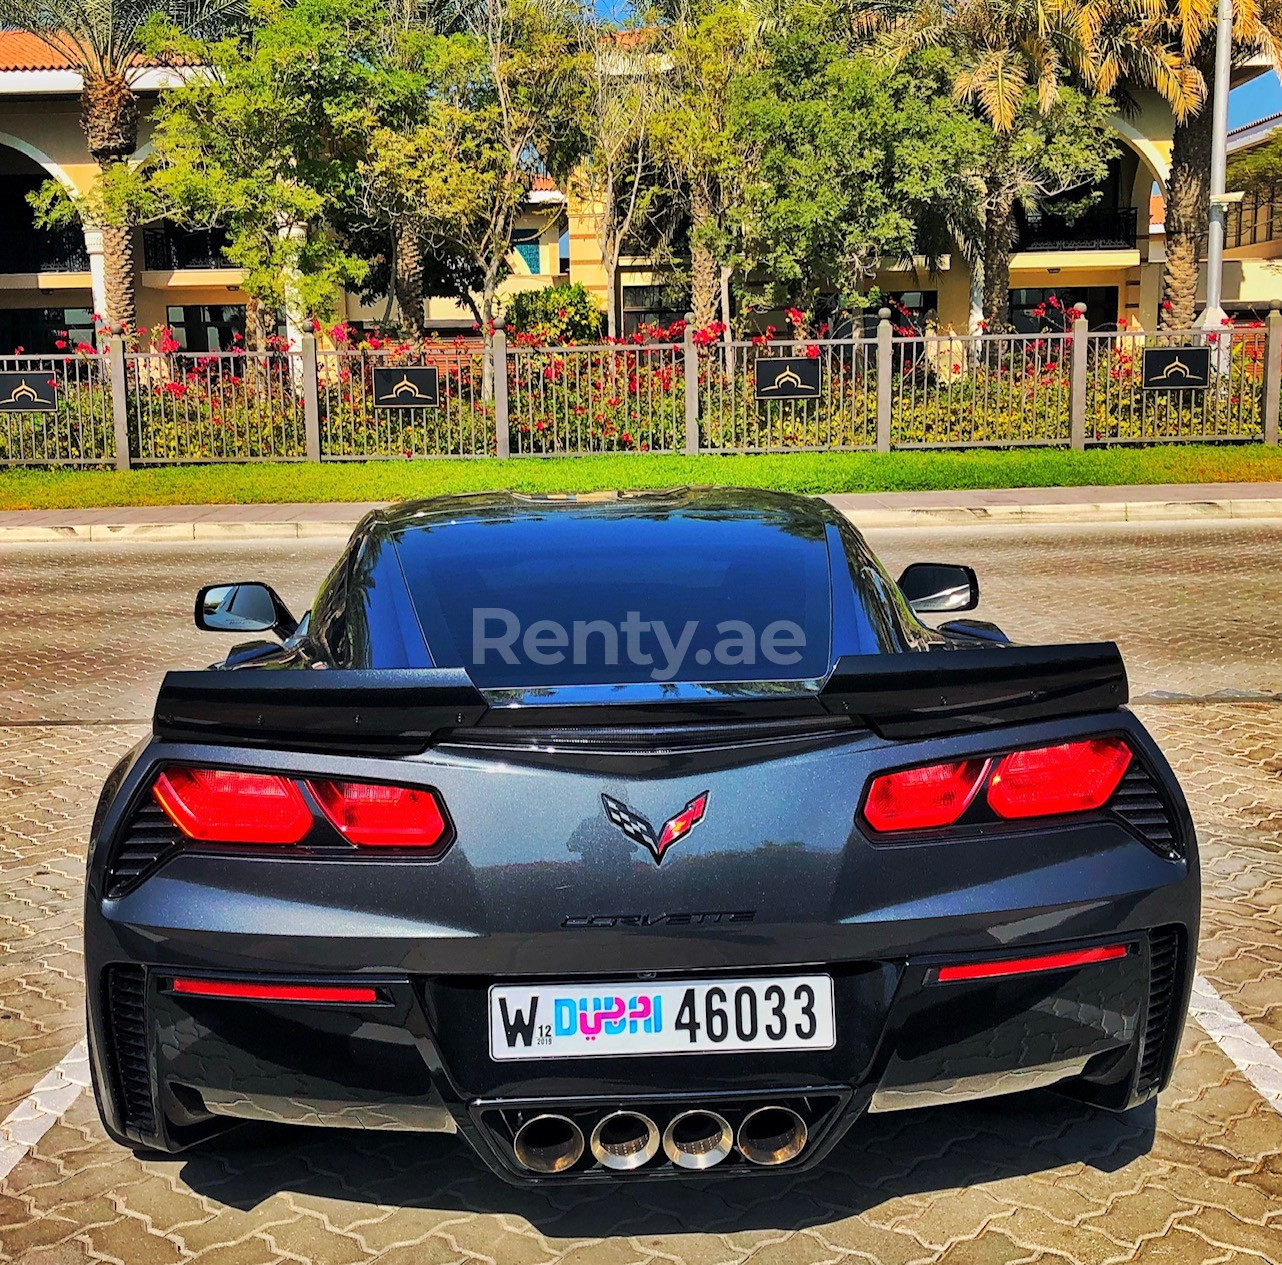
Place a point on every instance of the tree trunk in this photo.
(999, 245)
(611, 295)
(408, 281)
(727, 337)
(255, 325)
(703, 268)
(109, 118)
(487, 334)
(1188, 203)
(120, 267)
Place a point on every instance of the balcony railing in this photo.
(167, 246)
(33, 251)
(1097, 228)
(1257, 218)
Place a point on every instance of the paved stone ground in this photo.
(85, 632)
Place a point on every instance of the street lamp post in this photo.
(1213, 313)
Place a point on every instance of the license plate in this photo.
(725, 1016)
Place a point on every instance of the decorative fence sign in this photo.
(28, 393)
(406, 388)
(787, 378)
(1177, 368)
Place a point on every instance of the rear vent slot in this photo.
(1161, 1022)
(1139, 803)
(145, 842)
(127, 1038)
(650, 739)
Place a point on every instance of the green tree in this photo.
(266, 142)
(1017, 58)
(859, 159)
(712, 44)
(1190, 27)
(503, 93)
(104, 41)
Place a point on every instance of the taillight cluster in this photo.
(232, 806)
(1070, 777)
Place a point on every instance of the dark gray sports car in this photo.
(630, 836)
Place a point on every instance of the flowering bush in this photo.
(556, 314)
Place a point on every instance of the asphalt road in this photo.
(87, 630)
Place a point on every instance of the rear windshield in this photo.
(594, 600)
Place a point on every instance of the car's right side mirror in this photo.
(932, 587)
(245, 607)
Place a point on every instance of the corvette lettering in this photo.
(702, 919)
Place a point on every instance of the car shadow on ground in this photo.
(881, 1158)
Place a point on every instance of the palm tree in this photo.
(1257, 29)
(102, 39)
(1013, 56)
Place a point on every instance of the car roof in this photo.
(804, 515)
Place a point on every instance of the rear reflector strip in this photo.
(1030, 966)
(238, 990)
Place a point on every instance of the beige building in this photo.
(1110, 258)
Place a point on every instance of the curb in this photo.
(923, 516)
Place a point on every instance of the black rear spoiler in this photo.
(911, 695)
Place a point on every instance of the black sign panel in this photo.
(787, 378)
(406, 388)
(1177, 368)
(32, 392)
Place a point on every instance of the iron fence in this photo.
(1119, 410)
(988, 390)
(77, 431)
(734, 418)
(214, 406)
(1070, 388)
(567, 401)
(353, 428)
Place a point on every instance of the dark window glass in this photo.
(39, 330)
(572, 570)
(209, 327)
(1035, 311)
(26, 248)
(653, 305)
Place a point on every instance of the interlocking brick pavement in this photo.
(86, 631)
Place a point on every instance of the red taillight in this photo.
(227, 806)
(245, 991)
(1030, 966)
(376, 816)
(1073, 777)
(922, 798)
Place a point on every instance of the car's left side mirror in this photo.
(241, 608)
(939, 586)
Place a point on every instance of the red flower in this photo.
(60, 344)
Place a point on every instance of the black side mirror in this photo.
(939, 586)
(241, 608)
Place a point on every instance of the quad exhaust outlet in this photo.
(697, 1139)
(548, 1144)
(625, 1140)
(771, 1135)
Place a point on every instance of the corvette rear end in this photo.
(628, 928)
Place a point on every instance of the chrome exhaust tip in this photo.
(625, 1140)
(697, 1139)
(771, 1135)
(548, 1144)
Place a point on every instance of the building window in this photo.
(38, 330)
(653, 305)
(26, 248)
(167, 246)
(208, 327)
(1035, 311)
(525, 241)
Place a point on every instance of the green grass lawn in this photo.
(794, 472)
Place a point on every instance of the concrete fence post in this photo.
(1077, 380)
(885, 377)
(498, 375)
(308, 370)
(1272, 371)
(119, 393)
(691, 365)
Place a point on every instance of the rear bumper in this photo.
(176, 1068)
